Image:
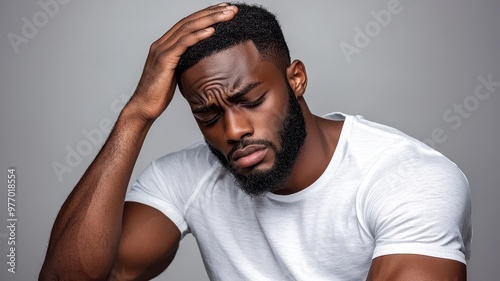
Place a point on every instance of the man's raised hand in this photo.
(157, 84)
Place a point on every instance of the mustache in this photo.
(246, 142)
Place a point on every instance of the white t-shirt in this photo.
(382, 193)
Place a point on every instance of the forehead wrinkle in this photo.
(200, 91)
(210, 96)
(205, 98)
(211, 91)
(215, 95)
(202, 81)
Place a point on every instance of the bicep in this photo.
(401, 267)
(148, 243)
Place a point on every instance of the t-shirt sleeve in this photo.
(150, 189)
(169, 183)
(416, 201)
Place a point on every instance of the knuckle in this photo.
(153, 55)
(182, 41)
(153, 46)
(157, 45)
(215, 15)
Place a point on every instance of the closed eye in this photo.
(210, 122)
(207, 116)
(254, 103)
(207, 119)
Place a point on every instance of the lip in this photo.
(249, 155)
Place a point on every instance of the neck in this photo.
(316, 153)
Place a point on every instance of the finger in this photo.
(202, 23)
(203, 20)
(193, 32)
(223, 10)
(171, 55)
(201, 13)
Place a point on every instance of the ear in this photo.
(297, 77)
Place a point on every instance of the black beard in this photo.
(292, 134)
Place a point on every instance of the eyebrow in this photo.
(232, 98)
(245, 90)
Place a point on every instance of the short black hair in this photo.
(252, 23)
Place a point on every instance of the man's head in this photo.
(245, 99)
(251, 23)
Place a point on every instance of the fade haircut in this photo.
(252, 23)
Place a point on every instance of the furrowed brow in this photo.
(243, 92)
(232, 98)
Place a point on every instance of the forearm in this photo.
(86, 233)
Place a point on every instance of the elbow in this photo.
(49, 273)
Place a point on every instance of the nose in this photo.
(237, 125)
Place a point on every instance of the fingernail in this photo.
(222, 4)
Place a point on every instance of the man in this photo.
(275, 193)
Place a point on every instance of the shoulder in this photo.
(384, 150)
(398, 160)
(399, 165)
(177, 174)
(364, 142)
(196, 158)
(413, 199)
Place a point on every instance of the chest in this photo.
(318, 238)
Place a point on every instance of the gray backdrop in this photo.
(68, 66)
